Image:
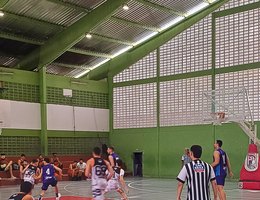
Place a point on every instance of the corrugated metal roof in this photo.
(143, 14)
(118, 30)
(42, 19)
(182, 6)
(89, 4)
(45, 11)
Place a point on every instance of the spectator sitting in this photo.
(56, 161)
(23, 165)
(21, 160)
(81, 167)
(6, 166)
(40, 161)
(73, 171)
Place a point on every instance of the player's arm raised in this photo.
(23, 170)
(110, 170)
(216, 159)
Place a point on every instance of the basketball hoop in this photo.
(218, 118)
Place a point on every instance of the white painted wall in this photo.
(24, 115)
(20, 115)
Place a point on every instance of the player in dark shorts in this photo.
(25, 192)
(221, 164)
(48, 178)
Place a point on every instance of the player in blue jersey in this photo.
(48, 178)
(112, 156)
(221, 164)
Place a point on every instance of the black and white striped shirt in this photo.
(198, 175)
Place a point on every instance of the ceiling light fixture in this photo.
(145, 38)
(171, 23)
(125, 7)
(89, 36)
(1, 14)
(197, 8)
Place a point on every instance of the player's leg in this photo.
(54, 183)
(220, 187)
(122, 193)
(44, 188)
(10, 169)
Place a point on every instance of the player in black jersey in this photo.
(97, 167)
(25, 192)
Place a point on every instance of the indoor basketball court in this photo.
(158, 97)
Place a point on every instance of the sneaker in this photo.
(58, 197)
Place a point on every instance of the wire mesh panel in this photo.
(236, 3)
(181, 101)
(188, 52)
(13, 145)
(237, 39)
(73, 146)
(248, 79)
(135, 106)
(144, 68)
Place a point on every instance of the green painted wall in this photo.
(171, 143)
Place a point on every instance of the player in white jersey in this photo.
(31, 172)
(118, 178)
(97, 167)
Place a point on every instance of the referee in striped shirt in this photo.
(198, 175)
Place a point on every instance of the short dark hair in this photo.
(80, 159)
(3, 154)
(34, 161)
(119, 162)
(47, 160)
(196, 150)
(111, 148)
(54, 153)
(22, 155)
(97, 151)
(26, 187)
(219, 142)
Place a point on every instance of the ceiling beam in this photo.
(109, 39)
(20, 38)
(162, 8)
(3, 3)
(67, 38)
(71, 66)
(90, 53)
(135, 24)
(118, 64)
(70, 5)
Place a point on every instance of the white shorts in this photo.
(98, 189)
(112, 185)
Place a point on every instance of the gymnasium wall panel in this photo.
(135, 106)
(69, 118)
(20, 115)
(182, 101)
(237, 39)
(144, 68)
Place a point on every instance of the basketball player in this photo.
(48, 178)
(112, 156)
(198, 175)
(97, 167)
(113, 183)
(31, 172)
(221, 164)
(25, 192)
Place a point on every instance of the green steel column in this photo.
(43, 102)
(110, 101)
(158, 104)
(213, 62)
